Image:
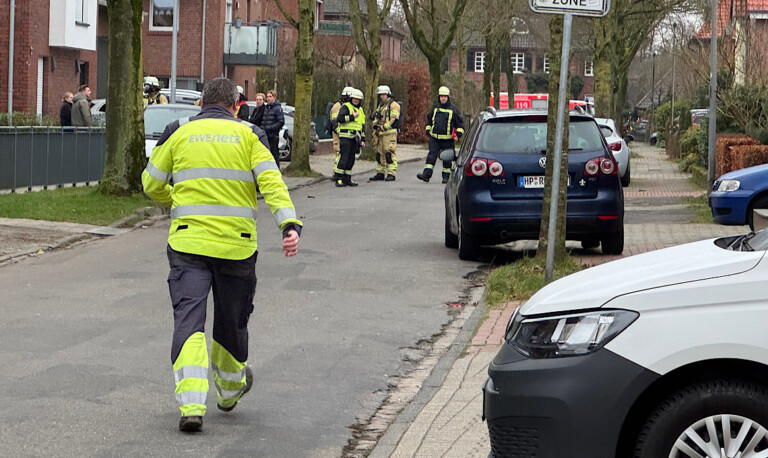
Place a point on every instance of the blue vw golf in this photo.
(495, 192)
(736, 194)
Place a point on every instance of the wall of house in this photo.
(31, 43)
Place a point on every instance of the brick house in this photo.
(56, 49)
(744, 26)
(527, 56)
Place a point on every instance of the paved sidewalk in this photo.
(450, 424)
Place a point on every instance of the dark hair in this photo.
(220, 91)
(83, 87)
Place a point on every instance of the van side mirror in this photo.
(448, 155)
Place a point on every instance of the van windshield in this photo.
(522, 136)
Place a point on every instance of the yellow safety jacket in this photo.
(388, 112)
(159, 99)
(349, 126)
(334, 114)
(215, 162)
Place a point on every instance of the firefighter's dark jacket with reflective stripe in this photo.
(442, 119)
(215, 162)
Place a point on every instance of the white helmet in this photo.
(347, 91)
(240, 90)
(151, 80)
(383, 89)
(356, 94)
(444, 91)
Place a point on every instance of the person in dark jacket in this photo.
(444, 127)
(272, 122)
(258, 112)
(65, 112)
(242, 105)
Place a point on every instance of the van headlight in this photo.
(567, 335)
(729, 185)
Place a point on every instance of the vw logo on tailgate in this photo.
(543, 162)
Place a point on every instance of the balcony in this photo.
(72, 24)
(250, 44)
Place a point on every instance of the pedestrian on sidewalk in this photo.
(385, 125)
(444, 127)
(272, 122)
(81, 107)
(258, 112)
(217, 162)
(65, 112)
(351, 138)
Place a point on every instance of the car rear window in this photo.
(155, 120)
(513, 136)
(606, 131)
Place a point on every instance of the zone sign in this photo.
(594, 8)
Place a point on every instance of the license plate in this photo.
(533, 181)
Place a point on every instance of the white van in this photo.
(663, 354)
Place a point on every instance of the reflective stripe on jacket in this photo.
(389, 112)
(215, 162)
(349, 126)
(442, 119)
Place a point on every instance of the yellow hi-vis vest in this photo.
(350, 128)
(215, 164)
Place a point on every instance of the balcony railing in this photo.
(250, 44)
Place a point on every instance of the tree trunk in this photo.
(496, 74)
(554, 53)
(602, 65)
(305, 68)
(511, 77)
(125, 156)
(371, 82)
(461, 54)
(434, 75)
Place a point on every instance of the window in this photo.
(162, 14)
(228, 13)
(589, 69)
(546, 65)
(518, 62)
(81, 12)
(479, 61)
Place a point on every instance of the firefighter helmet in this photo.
(444, 91)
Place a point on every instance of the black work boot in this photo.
(390, 178)
(423, 177)
(339, 183)
(350, 182)
(445, 178)
(248, 385)
(191, 424)
(378, 177)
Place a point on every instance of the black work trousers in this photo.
(348, 148)
(435, 146)
(273, 142)
(234, 285)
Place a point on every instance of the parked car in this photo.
(618, 147)
(99, 111)
(156, 117)
(495, 193)
(736, 194)
(285, 145)
(637, 131)
(661, 354)
(183, 96)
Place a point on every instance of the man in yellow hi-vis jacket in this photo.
(216, 162)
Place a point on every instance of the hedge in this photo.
(724, 154)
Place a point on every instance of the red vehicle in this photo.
(532, 101)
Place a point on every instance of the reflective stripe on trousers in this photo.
(190, 370)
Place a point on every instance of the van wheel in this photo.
(468, 246)
(613, 243)
(708, 419)
(451, 240)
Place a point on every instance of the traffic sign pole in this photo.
(554, 188)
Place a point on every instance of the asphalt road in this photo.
(85, 332)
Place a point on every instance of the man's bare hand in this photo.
(291, 244)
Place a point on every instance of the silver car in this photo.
(618, 147)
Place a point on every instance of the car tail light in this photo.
(495, 169)
(592, 167)
(615, 146)
(477, 167)
(607, 166)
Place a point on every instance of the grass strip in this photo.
(520, 280)
(82, 205)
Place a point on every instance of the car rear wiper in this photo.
(575, 149)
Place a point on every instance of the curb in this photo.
(389, 441)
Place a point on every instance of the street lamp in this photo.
(674, 42)
(653, 90)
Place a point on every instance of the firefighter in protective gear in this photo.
(217, 163)
(385, 125)
(152, 93)
(242, 105)
(351, 119)
(334, 114)
(444, 127)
